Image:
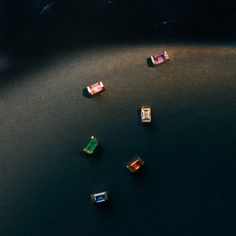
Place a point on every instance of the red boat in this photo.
(95, 88)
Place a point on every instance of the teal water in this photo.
(188, 184)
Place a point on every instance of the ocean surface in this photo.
(188, 184)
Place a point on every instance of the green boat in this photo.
(91, 146)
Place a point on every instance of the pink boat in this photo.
(160, 58)
(95, 88)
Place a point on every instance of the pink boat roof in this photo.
(95, 88)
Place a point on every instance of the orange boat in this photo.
(135, 165)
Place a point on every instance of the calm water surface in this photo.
(188, 185)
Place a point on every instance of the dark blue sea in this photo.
(188, 184)
(50, 50)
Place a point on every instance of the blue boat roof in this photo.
(100, 199)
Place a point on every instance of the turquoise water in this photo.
(188, 184)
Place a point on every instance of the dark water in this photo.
(50, 51)
(188, 185)
(54, 21)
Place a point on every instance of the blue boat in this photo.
(100, 197)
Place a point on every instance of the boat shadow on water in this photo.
(86, 94)
(105, 209)
(141, 175)
(149, 62)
